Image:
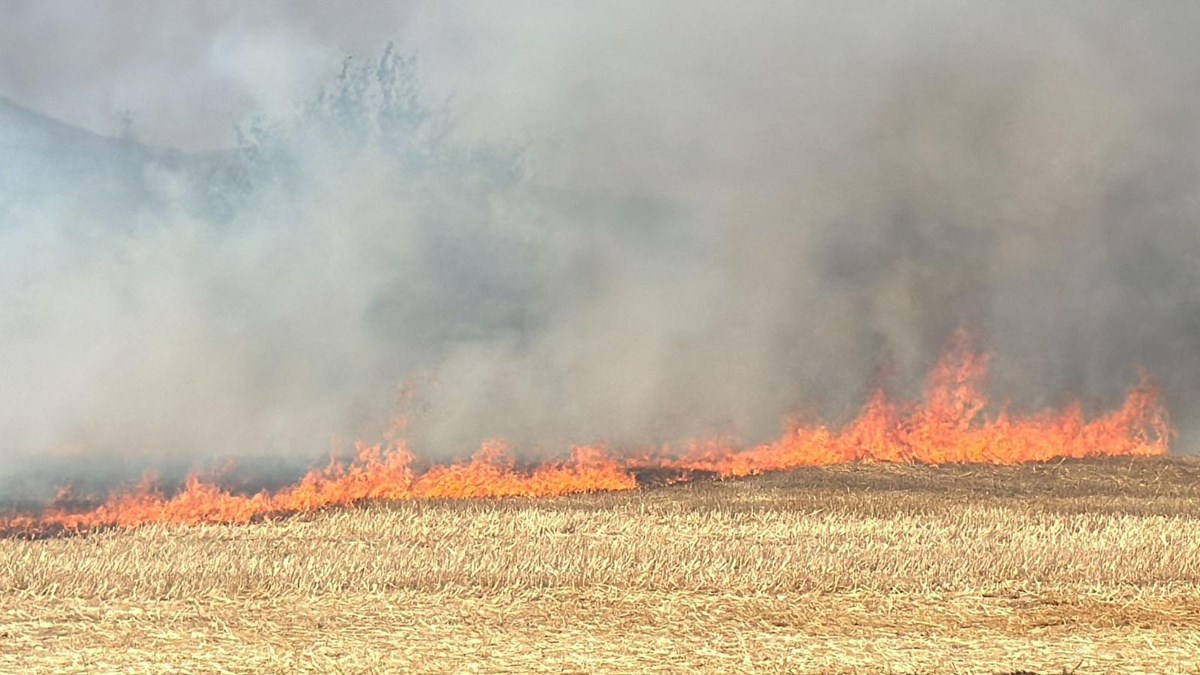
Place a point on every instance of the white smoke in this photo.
(629, 225)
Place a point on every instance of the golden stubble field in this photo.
(1083, 567)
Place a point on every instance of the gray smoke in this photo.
(574, 222)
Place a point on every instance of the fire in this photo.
(950, 425)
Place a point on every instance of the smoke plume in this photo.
(256, 225)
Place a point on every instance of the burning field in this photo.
(950, 426)
(1087, 566)
(931, 537)
(466, 336)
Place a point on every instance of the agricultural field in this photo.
(1079, 566)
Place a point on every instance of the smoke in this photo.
(568, 223)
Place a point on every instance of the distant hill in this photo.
(44, 161)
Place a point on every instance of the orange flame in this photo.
(948, 427)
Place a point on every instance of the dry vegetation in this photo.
(1090, 566)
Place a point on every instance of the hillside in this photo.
(45, 163)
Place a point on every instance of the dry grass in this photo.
(1089, 566)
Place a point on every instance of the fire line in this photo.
(949, 425)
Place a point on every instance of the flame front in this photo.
(949, 426)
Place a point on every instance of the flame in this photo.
(948, 426)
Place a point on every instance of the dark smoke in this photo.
(570, 224)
